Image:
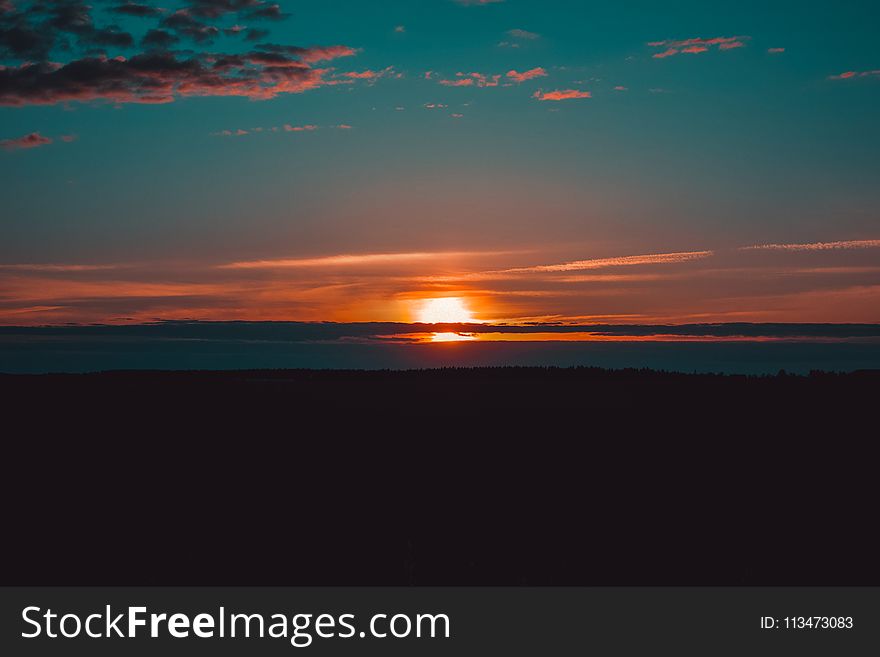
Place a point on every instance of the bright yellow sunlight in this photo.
(446, 310)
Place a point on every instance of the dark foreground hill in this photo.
(468, 476)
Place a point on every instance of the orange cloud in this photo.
(561, 94)
(361, 75)
(531, 74)
(347, 260)
(696, 45)
(464, 82)
(618, 261)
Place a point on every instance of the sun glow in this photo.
(446, 310)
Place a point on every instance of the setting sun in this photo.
(445, 310)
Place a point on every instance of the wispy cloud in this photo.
(50, 267)
(472, 80)
(775, 51)
(815, 246)
(370, 76)
(32, 140)
(618, 261)
(531, 74)
(287, 127)
(848, 75)
(523, 34)
(561, 94)
(670, 47)
(347, 260)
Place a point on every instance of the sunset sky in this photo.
(538, 161)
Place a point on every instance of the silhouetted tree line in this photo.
(455, 476)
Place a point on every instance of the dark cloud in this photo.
(135, 9)
(268, 12)
(160, 77)
(38, 29)
(309, 55)
(33, 31)
(255, 9)
(38, 34)
(218, 8)
(255, 34)
(249, 33)
(183, 23)
(159, 40)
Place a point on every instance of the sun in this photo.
(445, 310)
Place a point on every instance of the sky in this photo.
(552, 161)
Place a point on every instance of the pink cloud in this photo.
(621, 88)
(775, 51)
(846, 75)
(32, 140)
(561, 94)
(464, 82)
(372, 76)
(531, 74)
(69, 138)
(323, 53)
(695, 45)
(362, 75)
(343, 126)
(669, 52)
(299, 128)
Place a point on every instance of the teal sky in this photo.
(767, 135)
